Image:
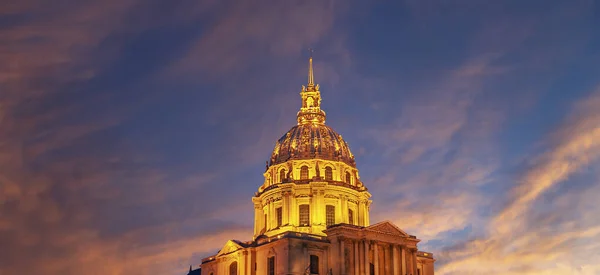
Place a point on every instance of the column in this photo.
(414, 259)
(334, 256)
(342, 259)
(403, 256)
(271, 217)
(285, 210)
(367, 218)
(366, 256)
(248, 264)
(258, 218)
(242, 261)
(344, 208)
(361, 213)
(356, 258)
(293, 210)
(386, 257)
(409, 264)
(376, 257)
(314, 207)
(395, 255)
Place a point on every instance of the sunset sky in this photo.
(133, 133)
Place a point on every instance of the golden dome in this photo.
(311, 138)
(312, 141)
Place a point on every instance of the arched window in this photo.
(304, 216)
(233, 268)
(329, 215)
(282, 175)
(304, 172)
(350, 216)
(348, 178)
(328, 173)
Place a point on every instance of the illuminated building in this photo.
(311, 214)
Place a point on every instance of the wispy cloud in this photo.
(515, 242)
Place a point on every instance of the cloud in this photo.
(249, 30)
(515, 242)
(81, 186)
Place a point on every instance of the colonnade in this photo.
(364, 255)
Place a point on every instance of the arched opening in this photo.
(348, 178)
(233, 268)
(328, 173)
(304, 172)
(282, 175)
(350, 216)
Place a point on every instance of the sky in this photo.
(133, 133)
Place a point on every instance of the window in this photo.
(314, 264)
(233, 268)
(282, 175)
(328, 173)
(304, 173)
(304, 215)
(330, 215)
(418, 272)
(279, 217)
(348, 178)
(372, 268)
(265, 224)
(350, 216)
(271, 266)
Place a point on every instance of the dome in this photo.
(312, 141)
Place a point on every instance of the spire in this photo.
(311, 76)
(310, 111)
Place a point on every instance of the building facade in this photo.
(311, 214)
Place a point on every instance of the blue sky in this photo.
(134, 133)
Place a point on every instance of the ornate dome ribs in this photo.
(310, 141)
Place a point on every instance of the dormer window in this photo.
(328, 173)
(304, 172)
(282, 175)
(348, 178)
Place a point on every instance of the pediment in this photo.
(387, 227)
(229, 247)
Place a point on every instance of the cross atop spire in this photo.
(311, 76)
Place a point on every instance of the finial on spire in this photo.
(311, 77)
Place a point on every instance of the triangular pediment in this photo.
(387, 227)
(230, 246)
